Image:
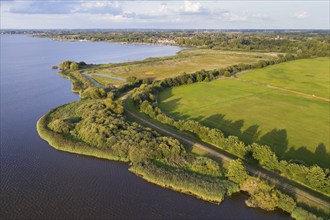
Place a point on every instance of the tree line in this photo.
(145, 98)
(95, 125)
(264, 195)
(304, 44)
(158, 159)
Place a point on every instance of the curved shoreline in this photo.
(76, 146)
(54, 140)
(62, 143)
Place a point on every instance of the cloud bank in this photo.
(166, 14)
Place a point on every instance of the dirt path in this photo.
(288, 186)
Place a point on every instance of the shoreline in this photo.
(61, 143)
(69, 146)
(85, 149)
(114, 42)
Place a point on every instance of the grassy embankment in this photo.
(295, 124)
(184, 61)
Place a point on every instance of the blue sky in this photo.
(281, 14)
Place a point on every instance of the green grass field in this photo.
(295, 126)
(185, 61)
(310, 76)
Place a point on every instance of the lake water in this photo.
(38, 182)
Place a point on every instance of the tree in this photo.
(206, 166)
(65, 65)
(131, 80)
(301, 214)
(285, 202)
(82, 64)
(317, 178)
(135, 155)
(235, 146)
(199, 78)
(265, 156)
(262, 194)
(74, 66)
(227, 73)
(236, 171)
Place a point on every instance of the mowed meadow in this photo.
(309, 76)
(184, 61)
(285, 106)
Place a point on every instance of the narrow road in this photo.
(93, 80)
(294, 189)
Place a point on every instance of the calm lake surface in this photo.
(38, 182)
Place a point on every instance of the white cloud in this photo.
(259, 15)
(110, 17)
(98, 7)
(248, 16)
(301, 15)
(192, 6)
(234, 17)
(163, 8)
(162, 14)
(99, 4)
(62, 7)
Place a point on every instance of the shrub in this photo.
(74, 66)
(236, 171)
(301, 214)
(285, 202)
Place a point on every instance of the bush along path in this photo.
(298, 191)
(96, 126)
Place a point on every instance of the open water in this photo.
(39, 182)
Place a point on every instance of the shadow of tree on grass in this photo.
(276, 139)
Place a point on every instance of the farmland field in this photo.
(185, 61)
(295, 125)
(310, 76)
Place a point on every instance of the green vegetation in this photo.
(310, 76)
(71, 65)
(144, 97)
(263, 195)
(107, 81)
(313, 176)
(206, 188)
(301, 214)
(95, 125)
(236, 171)
(269, 116)
(90, 127)
(184, 61)
(302, 43)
